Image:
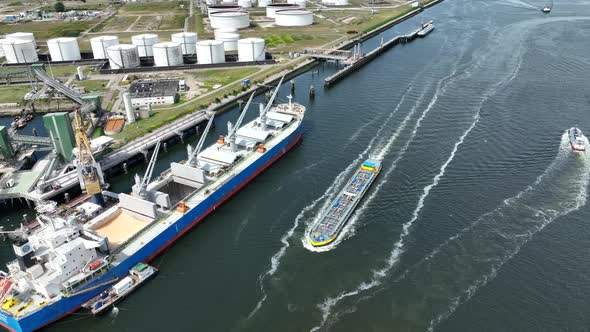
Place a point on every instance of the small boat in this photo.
(29, 117)
(546, 9)
(21, 123)
(426, 29)
(577, 139)
(139, 274)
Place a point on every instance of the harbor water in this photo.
(477, 221)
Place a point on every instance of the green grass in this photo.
(62, 72)
(44, 30)
(13, 94)
(195, 24)
(170, 22)
(223, 76)
(163, 7)
(112, 102)
(92, 85)
(118, 23)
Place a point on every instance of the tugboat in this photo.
(107, 299)
(577, 139)
(426, 29)
(29, 117)
(546, 9)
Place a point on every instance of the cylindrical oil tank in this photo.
(19, 51)
(27, 36)
(251, 49)
(123, 56)
(300, 3)
(211, 2)
(210, 51)
(272, 8)
(100, 44)
(245, 3)
(64, 49)
(230, 40)
(187, 41)
(221, 8)
(293, 18)
(234, 19)
(167, 54)
(144, 43)
(1, 48)
(264, 3)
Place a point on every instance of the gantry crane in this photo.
(89, 172)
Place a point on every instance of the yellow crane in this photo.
(89, 172)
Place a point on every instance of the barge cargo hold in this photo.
(327, 229)
(42, 285)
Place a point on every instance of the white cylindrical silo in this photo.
(251, 49)
(100, 44)
(187, 41)
(80, 72)
(221, 8)
(245, 3)
(144, 43)
(27, 36)
(128, 107)
(300, 3)
(293, 18)
(19, 51)
(210, 51)
(273, 8)
(64, 49)
(227, 19)
(1, 48)
(264, 3)
(167, 54)
(123, 56)
(230, 40)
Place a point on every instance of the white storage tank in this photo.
(100, 44)
(123, 56)
(221, 8)
(1, 48)
(210, 51)
(167, 54)
(251, 49)
(245, 3)
(144, 43)
(19, 51)
(187, 41)
(64, 49)
(229, 39)
(264, 3)
(335, 2)
(300, 3)
(272, 8)
(293, 18)
(27, 36)
(227, 19)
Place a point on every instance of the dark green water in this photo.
(478, 220)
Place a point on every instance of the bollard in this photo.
(125, 168)
(67, 197)
(165, 147)
(311, 91)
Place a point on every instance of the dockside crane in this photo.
(232, 129)
(89, 171)
(140, 186)
(192, 154)
(265, 109)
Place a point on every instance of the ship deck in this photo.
(121, 228)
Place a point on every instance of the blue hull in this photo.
(66, 306)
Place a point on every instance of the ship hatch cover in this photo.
(255, 134)
(220, 157)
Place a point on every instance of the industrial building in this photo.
(153, 92)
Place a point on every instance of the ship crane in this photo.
(232, 129)
(192, 154)
(264, 110)
(140, 186)
(89, 171)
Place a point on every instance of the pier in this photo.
(361, 61)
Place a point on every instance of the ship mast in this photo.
(89, 171)
(232, 129)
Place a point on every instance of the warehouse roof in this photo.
(153, 88)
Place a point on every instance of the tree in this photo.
(59, 7)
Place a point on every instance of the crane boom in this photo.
(140, 186)
(232, 129)
(89, 172)
(265, 110)
(199, 146)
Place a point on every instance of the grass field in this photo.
(44, 30)
(223, 76)
(13, 94)
(163, 7)
(62, 72)
(170, 22)
(93, 85)
(119, 23)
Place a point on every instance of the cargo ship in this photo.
(70, 254)
(330, 224)
(577, 139)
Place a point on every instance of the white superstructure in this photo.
(100, 45)
(210, 51)
(19, 51)
(229, 19)
(144, 43)
(251, 49)
(27, 36)
(187, 41)
(64, 49)
(271, 9)
(167, 54)
(293, 18)
(123, 56)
